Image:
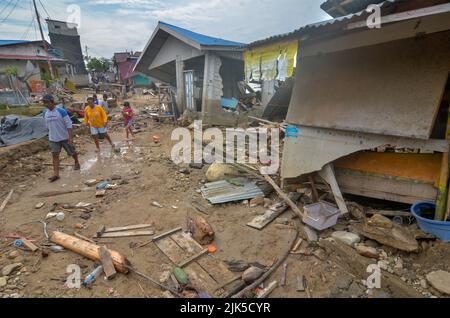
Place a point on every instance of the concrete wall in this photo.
(173, 48)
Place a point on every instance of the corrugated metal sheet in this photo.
(12, 42)
(224, 191)
(200, 38)
(338, 8)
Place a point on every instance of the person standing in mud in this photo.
(96, 119)
(60, 134)
(128, 116)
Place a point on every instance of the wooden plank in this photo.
(5, 202)
(216, 269)
(28, 244)
(83, 237)
(283, 275)
(261, 221)
(101, 230)
(127, 228)
(192, 258)
(55, 193)
(266, 291)
(187, 243)
(327, 173)
(200, 278)
(171, 249)
(127, 234)
(162, 235)
(107, 262)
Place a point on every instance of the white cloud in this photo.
(109, 26)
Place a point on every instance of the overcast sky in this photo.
(108, 26)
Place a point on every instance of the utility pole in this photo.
(87, 55)
(43, 40)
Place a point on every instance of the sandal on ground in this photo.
(53, 179)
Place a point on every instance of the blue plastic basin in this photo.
(437, 228)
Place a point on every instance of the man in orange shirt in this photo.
(96, 119)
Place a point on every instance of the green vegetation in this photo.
(10, 70)
(99, 65)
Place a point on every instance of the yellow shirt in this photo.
(96, 117)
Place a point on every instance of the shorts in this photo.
(130, 123)
(55, 147)
(101, 132)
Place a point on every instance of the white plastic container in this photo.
(60, 216)
(321, 215)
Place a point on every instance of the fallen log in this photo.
(89, 250)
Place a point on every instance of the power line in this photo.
(7, 5)
(10, 12)
(42, 5)
(25, 34)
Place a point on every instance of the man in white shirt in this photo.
(60, 134)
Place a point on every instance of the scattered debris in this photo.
(39, 205)
(440, 280)
(107, 263)
(231, 190)
(266, 291)
(5, 202)
(201, 230)
(251, 274)
(156, 204)
(346, 237)
(367, 251)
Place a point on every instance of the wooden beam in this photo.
(5, 202)
(107, 262)
(126, 234)
(327, 173)
(127, 228)
(193, 258)
(89, 250)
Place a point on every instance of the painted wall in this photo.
(173, 48)
(272, 61)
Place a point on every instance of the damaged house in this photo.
(370, 106)
(204, 70)
(270, 65)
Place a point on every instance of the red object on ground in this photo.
(212, 249)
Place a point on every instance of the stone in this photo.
(13, 254)
(356, 290)
(384, 265)
(3, 281)
(371, 243)
(8, 269)
(252, 274)
(379, 220)
(257, 201)
(367, 251)
(423, 283)
(320, 254)
(15, 295)
(38, 292)
(343, 281)
(440, 280)
(378, 293)
(39, 205)
(91, 182)
(346, 237)
(219, 171)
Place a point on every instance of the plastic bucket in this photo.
(439, 229)
(321, 215)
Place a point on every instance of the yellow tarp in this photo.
(265, 60)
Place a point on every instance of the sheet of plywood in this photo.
(393, 88)
(187, 243)
(200, 278)
(171, 249)
(216, 269)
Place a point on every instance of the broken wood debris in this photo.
(88, 250)
(5, 202)
(107, 263)
(55, 193)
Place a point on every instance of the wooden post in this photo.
(89, 250)
(180, 84)
(327, 173)
(441, 202)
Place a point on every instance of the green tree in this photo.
(98, 65)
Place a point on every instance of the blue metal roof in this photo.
(12, 42)
(200, 38)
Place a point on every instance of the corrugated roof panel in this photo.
(200, 38)
(12, 42)
(238, 189)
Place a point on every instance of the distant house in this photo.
(64, 37)
(203, 69)
(124, 63)
(31, 60)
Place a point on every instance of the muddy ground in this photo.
(148, 175)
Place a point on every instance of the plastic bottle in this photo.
(92, 276)
(102, 185)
